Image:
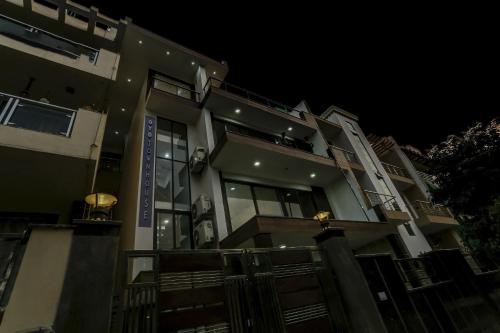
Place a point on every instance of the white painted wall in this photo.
(416, 244)
(344, 202)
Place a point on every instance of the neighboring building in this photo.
(411, 171)
(56, 72)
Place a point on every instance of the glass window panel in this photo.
(181, 186)
(182, 231)
(164, 139)
(292, 203)
(41, 119)
(307, 204)
(164, 232)
(240, 204)
(180, 142)
(268, 202)
(163, 180)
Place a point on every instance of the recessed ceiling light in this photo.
(129, 80)
(123, 109)
(290, 129)
(168, 52)
(312, 175)
(233, 188)
(140, 42)
(116, 132)
(256, 163)
(282, 246)
(167, 155)
(193, 63)
(215, 73)
(237, 111)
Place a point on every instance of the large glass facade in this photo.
(172, 194)
(245, 201)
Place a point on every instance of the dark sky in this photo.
(418, 74)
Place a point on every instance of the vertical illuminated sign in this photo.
(147, 181)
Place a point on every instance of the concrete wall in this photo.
(106, 65)
(88, 130)
(344, 202)
(36, 293)
(127, 209)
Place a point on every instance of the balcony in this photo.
(399, 176)
(43, 127)
(433, 218)
(17, 36)
(291, 231)
(176, 100)
(232, 102)
(344, 156)
(427, 178)
(252, 156)
(386, 207)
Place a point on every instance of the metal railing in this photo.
(349, 155)
(170, 87)
(251, 96)
(37, 116)
(428, 208)
(45, 40)
(395, 170)
(426, 177)
(387, 201)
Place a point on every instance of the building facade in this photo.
(98, 105)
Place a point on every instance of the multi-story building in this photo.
(105, 106)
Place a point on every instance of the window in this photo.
(172, 192)
(268, 202)
(244, 201)
(240, 203)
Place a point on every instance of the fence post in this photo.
(359, 303)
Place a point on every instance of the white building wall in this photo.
(416, 244)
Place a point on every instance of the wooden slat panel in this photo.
(190, 297)
(296, 283)
(320, 325)
(300, 298)
(187, 262)
(290, 257)
(172, 321)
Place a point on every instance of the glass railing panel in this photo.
(42, 39)
(35, 116)
(175, 89)
(251, 96)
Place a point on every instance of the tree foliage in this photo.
(467, 171)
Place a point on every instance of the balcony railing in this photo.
(395, 170)
(387, 201)
(349, 155)
(426, 177)
(169, 86)
(36, 116)
(251, 96)
(430, 209)
(220, 128)
(45, 40)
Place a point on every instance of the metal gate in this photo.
(258, 290)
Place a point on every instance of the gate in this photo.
(241, 291)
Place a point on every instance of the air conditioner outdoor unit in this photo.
(198, 159)
(203, 234)
(201, 208)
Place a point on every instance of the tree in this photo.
(467, 172)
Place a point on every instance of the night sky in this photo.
(416, 74)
